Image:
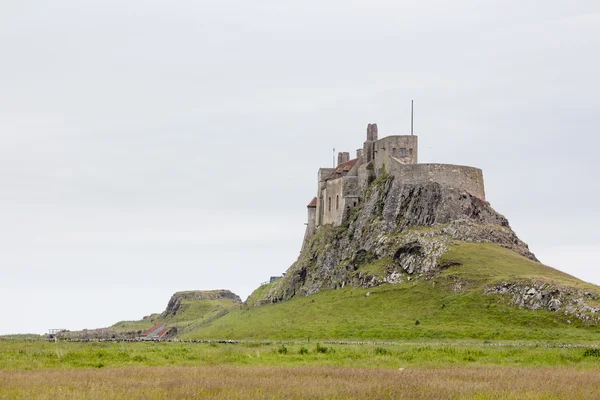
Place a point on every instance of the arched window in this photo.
(337, 202)
(329, 204)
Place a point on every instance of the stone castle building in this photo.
(341, 188)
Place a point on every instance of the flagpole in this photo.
(412, 107)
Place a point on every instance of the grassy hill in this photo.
(187, 310)
(451, 305)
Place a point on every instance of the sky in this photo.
(149, 147)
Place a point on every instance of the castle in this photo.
(341, 188)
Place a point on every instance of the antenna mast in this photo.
(334, 157)
(412, 107)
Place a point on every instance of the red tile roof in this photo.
(342, 169)
(313, 203)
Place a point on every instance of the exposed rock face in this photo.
(537, 295)
(468, 218)
(177, 299)
(404, 229)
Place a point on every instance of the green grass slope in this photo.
(418, 309)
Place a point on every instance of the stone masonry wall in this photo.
(392, 146)
(468, 179)
(321, 176)
(310, 225)
(333, 213)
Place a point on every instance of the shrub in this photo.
(322, 349)
(303, 350)
(381, 351)
(282, 349)
(591, 353)
(417, 322)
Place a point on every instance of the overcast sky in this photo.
(149, 147)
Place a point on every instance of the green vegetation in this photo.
(377, 267)
(390, 312)
(21, 336)
(195, 311)
(260, 293)
(16, 355)
(483, 263)
(133, 325)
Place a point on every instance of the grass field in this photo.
(468, 370)
(308, 382)
(18, 355)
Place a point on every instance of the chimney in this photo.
(372, 134)
(343, 157)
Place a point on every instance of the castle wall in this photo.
(311, 225)
(343, 193)
(403, 148)
(322, 175)
(366, 175)
(457, 176)
(399, 154)
(333, 202)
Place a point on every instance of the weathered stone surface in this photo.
(536, 295)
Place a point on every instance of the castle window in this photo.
(402, 152)
(329, 204)
(337, 202)
(393, 150)
(410, 152)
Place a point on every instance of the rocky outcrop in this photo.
(177, 300)
(536, 295)
(400, 232)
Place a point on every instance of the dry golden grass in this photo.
(233, 382)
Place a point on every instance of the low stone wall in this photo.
(457, 176)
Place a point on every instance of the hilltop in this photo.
(188, 310)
